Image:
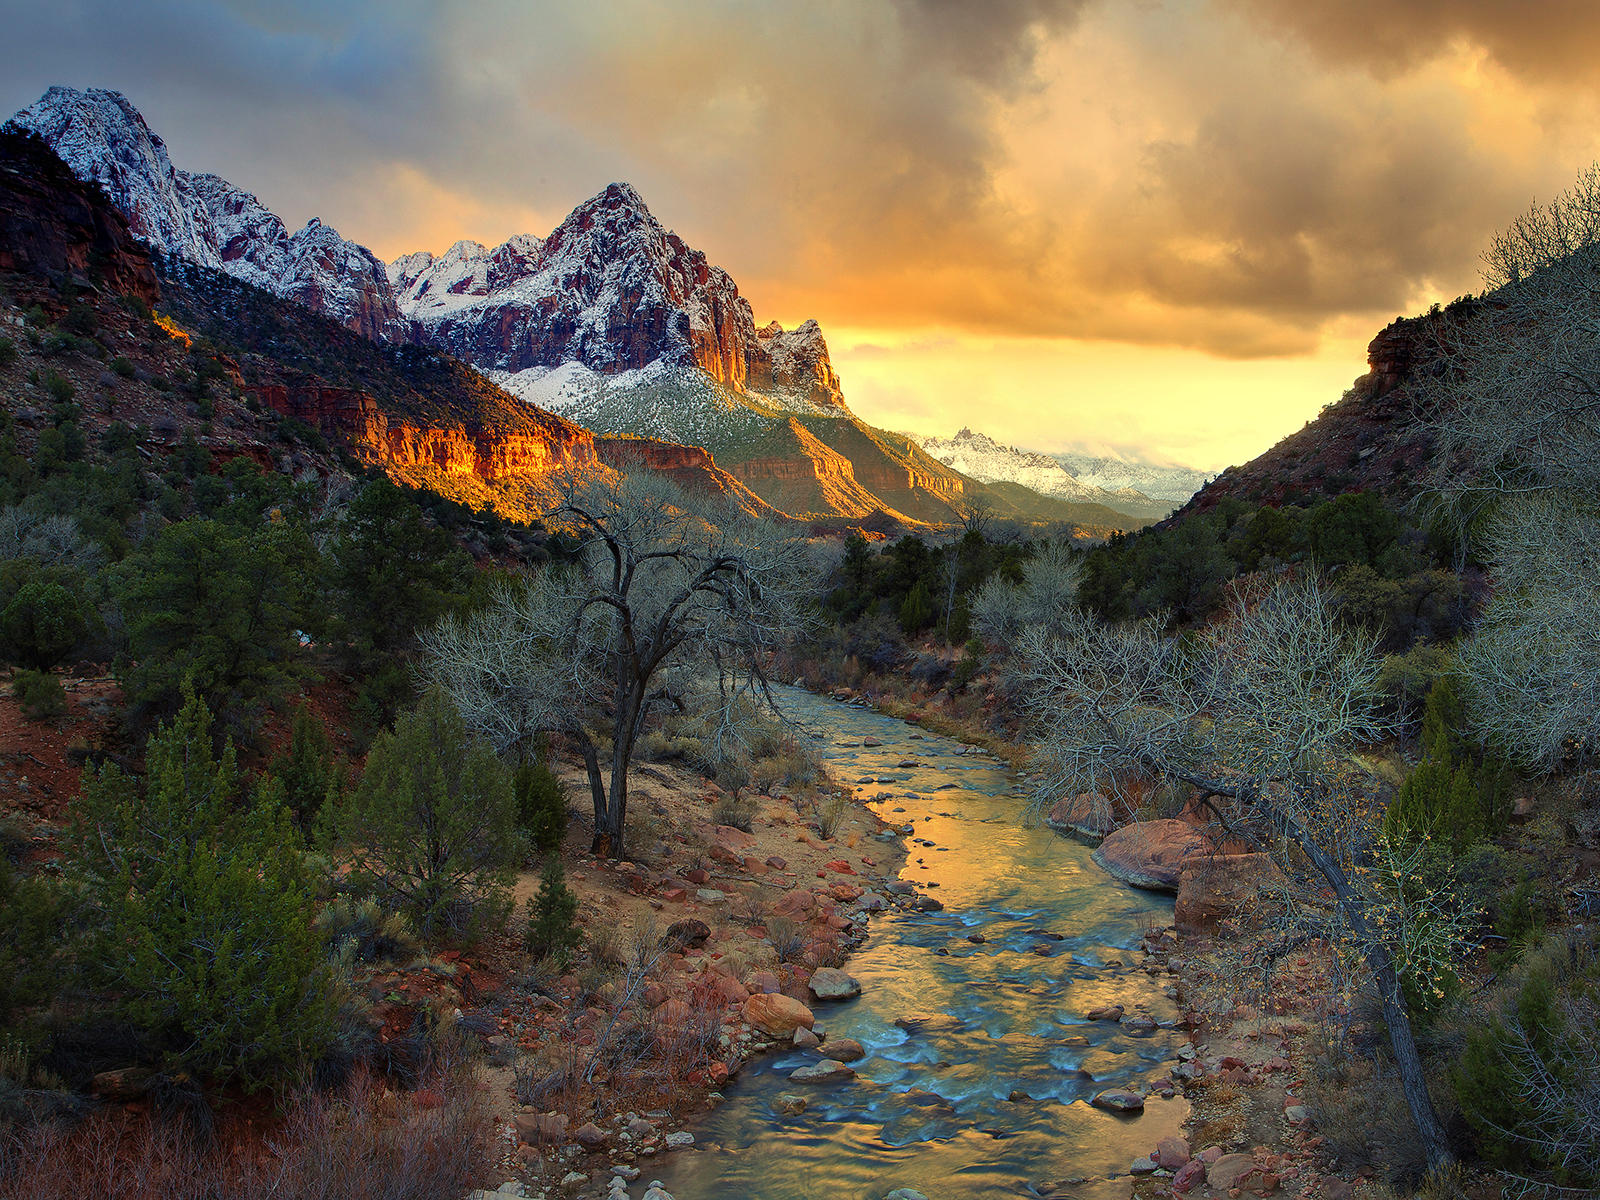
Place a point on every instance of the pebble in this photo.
(677, 1141)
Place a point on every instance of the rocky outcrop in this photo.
(355, 419)
(103, 139)
(1151, 854)
(614, 290)
(691, 466)
(1214, 888)
(55, 227)
(1089, 817)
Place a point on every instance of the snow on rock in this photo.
(614, 291)
(1171, 484)
(103, 138)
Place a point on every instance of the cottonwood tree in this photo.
(672, 601)
(1002, 609)
(1260, 712)
(1518, 468)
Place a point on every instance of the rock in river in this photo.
(829, 1070)
(830, 983)
(1150, 854)
(777, 1015)
(1118, 1100)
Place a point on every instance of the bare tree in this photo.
(1260, 712)
(1002, 609)
(1518, 433)
(670, 602)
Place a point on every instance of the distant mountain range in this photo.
(611, 320)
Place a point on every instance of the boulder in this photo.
(777, 1015)
(1212, 888)
(905, 1194)
(1150, 854)
(830, 983)
(829, 1070)
(804, 1039)
(686, 934)
(539, 1128)
(1119, 1100)
(1088, 817)
(790, 1105)
(1191, 1173)
(1238, 1171)
(1172, 1153)
(590, 1136)
(845, 1049)
(1110, 1012)
(125, 1083)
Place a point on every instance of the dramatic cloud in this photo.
(1235, 180)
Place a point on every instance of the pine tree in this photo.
(552, 915)
(306, 769)
(431, 827)
(205, 912)
(541, 805)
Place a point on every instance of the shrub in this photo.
(306, 769)
(361, 930)
(58, 387)
(1457, 792)
(32, 941)
(1529, 1078)
(39, 694)
(830, 814)
(8, 352)
(541, 805)
(552, 915)
(916, 610)
(787, 938)
(431, 826)
(123, 367)
(202, 907)
(733, 810)
(42, 622)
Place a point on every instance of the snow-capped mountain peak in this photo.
(103, 138)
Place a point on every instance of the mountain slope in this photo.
(986, 460)
(1170, 485)
(205, 219)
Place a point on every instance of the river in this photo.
(932, 1106)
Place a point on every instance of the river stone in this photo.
(590, 1136)
(680, 1139)
(710, 896)
(830, 983)
(905, 1194)
(1237, 1171)
(1110, 1012)
(1143, 1166)
(1214, 887)
(1088, 817)
(535, 1128)
(1150, 854)
(1118, 1100)
(1172, 1153)
(777, 1015)
(790, 1105)
(829, 1070)
(804, 1039)
(845, 1050)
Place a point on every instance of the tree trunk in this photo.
(1413, 1082)
(597, 794)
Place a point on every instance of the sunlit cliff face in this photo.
(1169, 226)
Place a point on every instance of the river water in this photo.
(931, 1107)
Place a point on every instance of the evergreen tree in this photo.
(306, 769)
(431, 827)
(218, 605)
(552, 915)
(32, 942)
(205, 912)
(44, 621)
(541, 805)
(916, 610)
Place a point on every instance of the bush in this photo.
(123, 367)
(541, 806)
(202, 908)
(8, 352)
(58, 387)
(43, 622)
(32, 942)
(733, 810)
(1529, 1079)
(362, 931)
(1457, 792)
(39, 694)
(306, 769)
(431, 827)
(552, 914)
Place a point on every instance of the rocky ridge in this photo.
(612, 289)
(103, 139)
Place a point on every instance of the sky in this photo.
(1159, 228)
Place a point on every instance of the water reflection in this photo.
(979, 1063)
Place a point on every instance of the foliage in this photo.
(430, 829)
(306, 768)
(1458, 793)
(202, 906)
(1529, 1078)
(363, 931)
(552, 915)
(916, 610)
(33, 942)
(39, 694)
(44, 620)
(217, 604)
(541, 805)
(391, 571)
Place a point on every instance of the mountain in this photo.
(1376, 438)
(1169, 484)
(984, 459)
(205, 219)
(613, 290)
(616, 323)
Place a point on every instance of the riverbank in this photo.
(709, 946)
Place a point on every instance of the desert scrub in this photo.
(39, 694)
(735, 810)
(830, 811)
